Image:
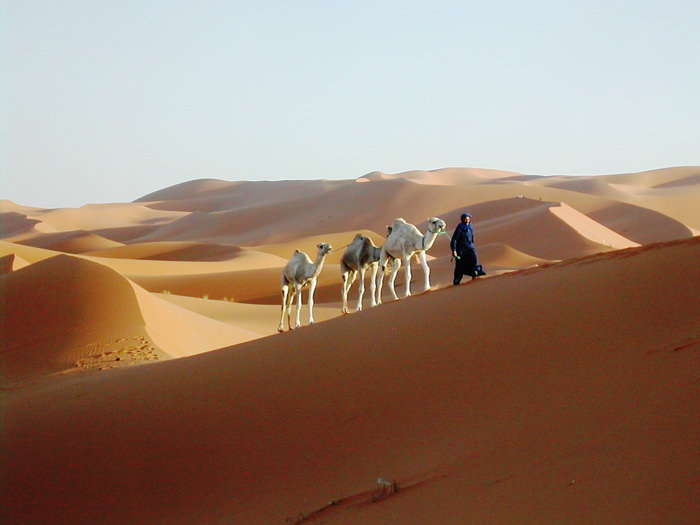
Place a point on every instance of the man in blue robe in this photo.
(464, 250)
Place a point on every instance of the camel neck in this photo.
(428, 243)
(320, 258)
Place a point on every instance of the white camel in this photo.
(405, 241)
(297, 273)
(360, 256)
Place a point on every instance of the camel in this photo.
(360, 256)
(297, 273)
(405, 241)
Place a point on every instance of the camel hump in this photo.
(399, 225)
(300, 256)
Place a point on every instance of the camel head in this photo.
(436, 225)
(323, 248)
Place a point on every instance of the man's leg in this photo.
(469, 258)
(458, 272)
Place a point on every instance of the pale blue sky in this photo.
(106, 101)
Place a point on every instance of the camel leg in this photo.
(395, 265)
(299, 305)
(290, 302)
(310, 300)
(373, 284)
(285, 291)
(345, 290)
(380, 278)
(426, 270)
(288, 306)
(352, 275)
(362, 289)
(407, 263)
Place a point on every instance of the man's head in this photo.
(466, 218)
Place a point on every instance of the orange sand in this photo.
(143, 379)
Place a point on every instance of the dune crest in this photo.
(183, 333)
(589, 228)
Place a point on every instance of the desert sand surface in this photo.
(144, 380)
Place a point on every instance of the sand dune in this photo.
(181, 333)
(593, 424)
(349, 205)
(668, 191)
(246, 259)
(92, 217)
(340, 241)
(7, 263)
(258, 318)
(253, 320)
(12, 223)
(170, 251)
(445, 176)
(503, 257)
(214, 195)
(538, 232)
(64, 313)
(28, 253)
(589, 228)
(639, 224)
(71, 242)
(562, 387)
(259, 286)
(682, 175)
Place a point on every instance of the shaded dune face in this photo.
(13, 223)
(63, 312)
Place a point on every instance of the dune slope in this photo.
(505, 400)
(64, 313)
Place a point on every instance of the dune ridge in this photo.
(589, 228)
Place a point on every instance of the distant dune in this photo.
(143, 379)
(71, 242)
